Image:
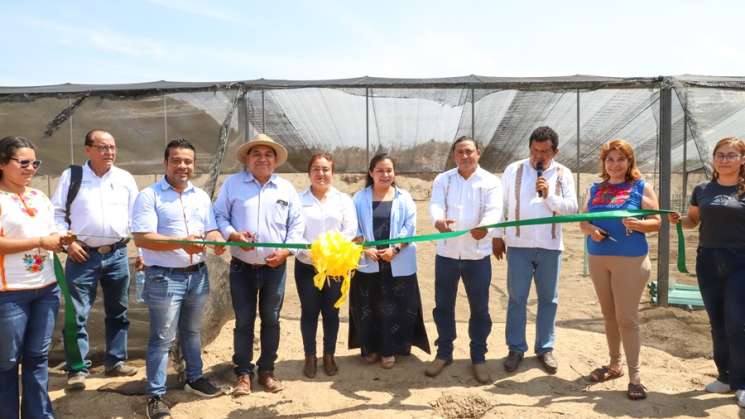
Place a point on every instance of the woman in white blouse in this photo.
(325, 209)
(29, 295)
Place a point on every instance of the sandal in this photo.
(636, 391)
(604, 373)
(371, 358)
(387, 362)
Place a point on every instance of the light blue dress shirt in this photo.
(272, 212)
(403, 224)
(161, 209)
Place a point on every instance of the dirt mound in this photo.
(461, 406)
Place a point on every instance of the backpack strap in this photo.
(76, 178)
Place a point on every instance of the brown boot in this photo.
(310, 368)
(329, 365)
(242, 386)
(270, 383)
(435, 367)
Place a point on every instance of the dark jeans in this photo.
(112, 270)
(476, 276)
(253, 287)
(721, 278)
(314, 302)
(26, 325)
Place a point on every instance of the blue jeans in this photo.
(26, 325)
(523, 266)
(112, 270)
(314, 302)
(175, 301)
(721, 278)
(476, 276)
(253, 287)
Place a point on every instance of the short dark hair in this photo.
(374, 162)
(89, 135)
(321, 155)
(10, 145)
(545, 133)
(178, 143)
(465, 138)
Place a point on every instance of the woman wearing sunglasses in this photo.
(29, 295)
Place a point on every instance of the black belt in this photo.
(108, 248)
(189, 269)
(249, 265)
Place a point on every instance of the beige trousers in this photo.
(619, 283)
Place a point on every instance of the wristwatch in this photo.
(396, 250)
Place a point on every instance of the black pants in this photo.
(314, 302)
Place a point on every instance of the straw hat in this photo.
(262, 139)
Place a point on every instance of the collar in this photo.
(164, 185)
(87, 169)
(249, 177)
(331, 192)
(550, 167)
(475, 175)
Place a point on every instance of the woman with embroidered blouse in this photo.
(29, 295)
(619, 265)
(385, 306)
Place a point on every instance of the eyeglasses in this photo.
(726, 157)
(25, 163)
(104, 148)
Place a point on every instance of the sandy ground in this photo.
(676, 365)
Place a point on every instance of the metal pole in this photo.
(367, 124)
(473, 115)
(585, 260)
(165, 120)
(663, 240)
(263, 115)
(684, 191)
(578, 144)
(69, 120)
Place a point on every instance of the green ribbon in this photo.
(557, 219)
(69, 332)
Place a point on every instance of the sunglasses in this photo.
(26, 163)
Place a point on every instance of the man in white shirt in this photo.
(256, 205)
(99, 217)
(533, 188)
(463, 198)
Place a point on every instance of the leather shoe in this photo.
(435, 367)
(549, 362)
(329, 365)
(270, 383)
(310, 368)
(121, 370)
(481, 374)
(242, 386)
(513, 361)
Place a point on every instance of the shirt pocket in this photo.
(280, 211)
(116, 195)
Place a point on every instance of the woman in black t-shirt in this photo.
(719, 206)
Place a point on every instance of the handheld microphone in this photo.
(539, 170)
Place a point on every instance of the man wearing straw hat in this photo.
(256, 205)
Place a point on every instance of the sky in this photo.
(51, 42)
